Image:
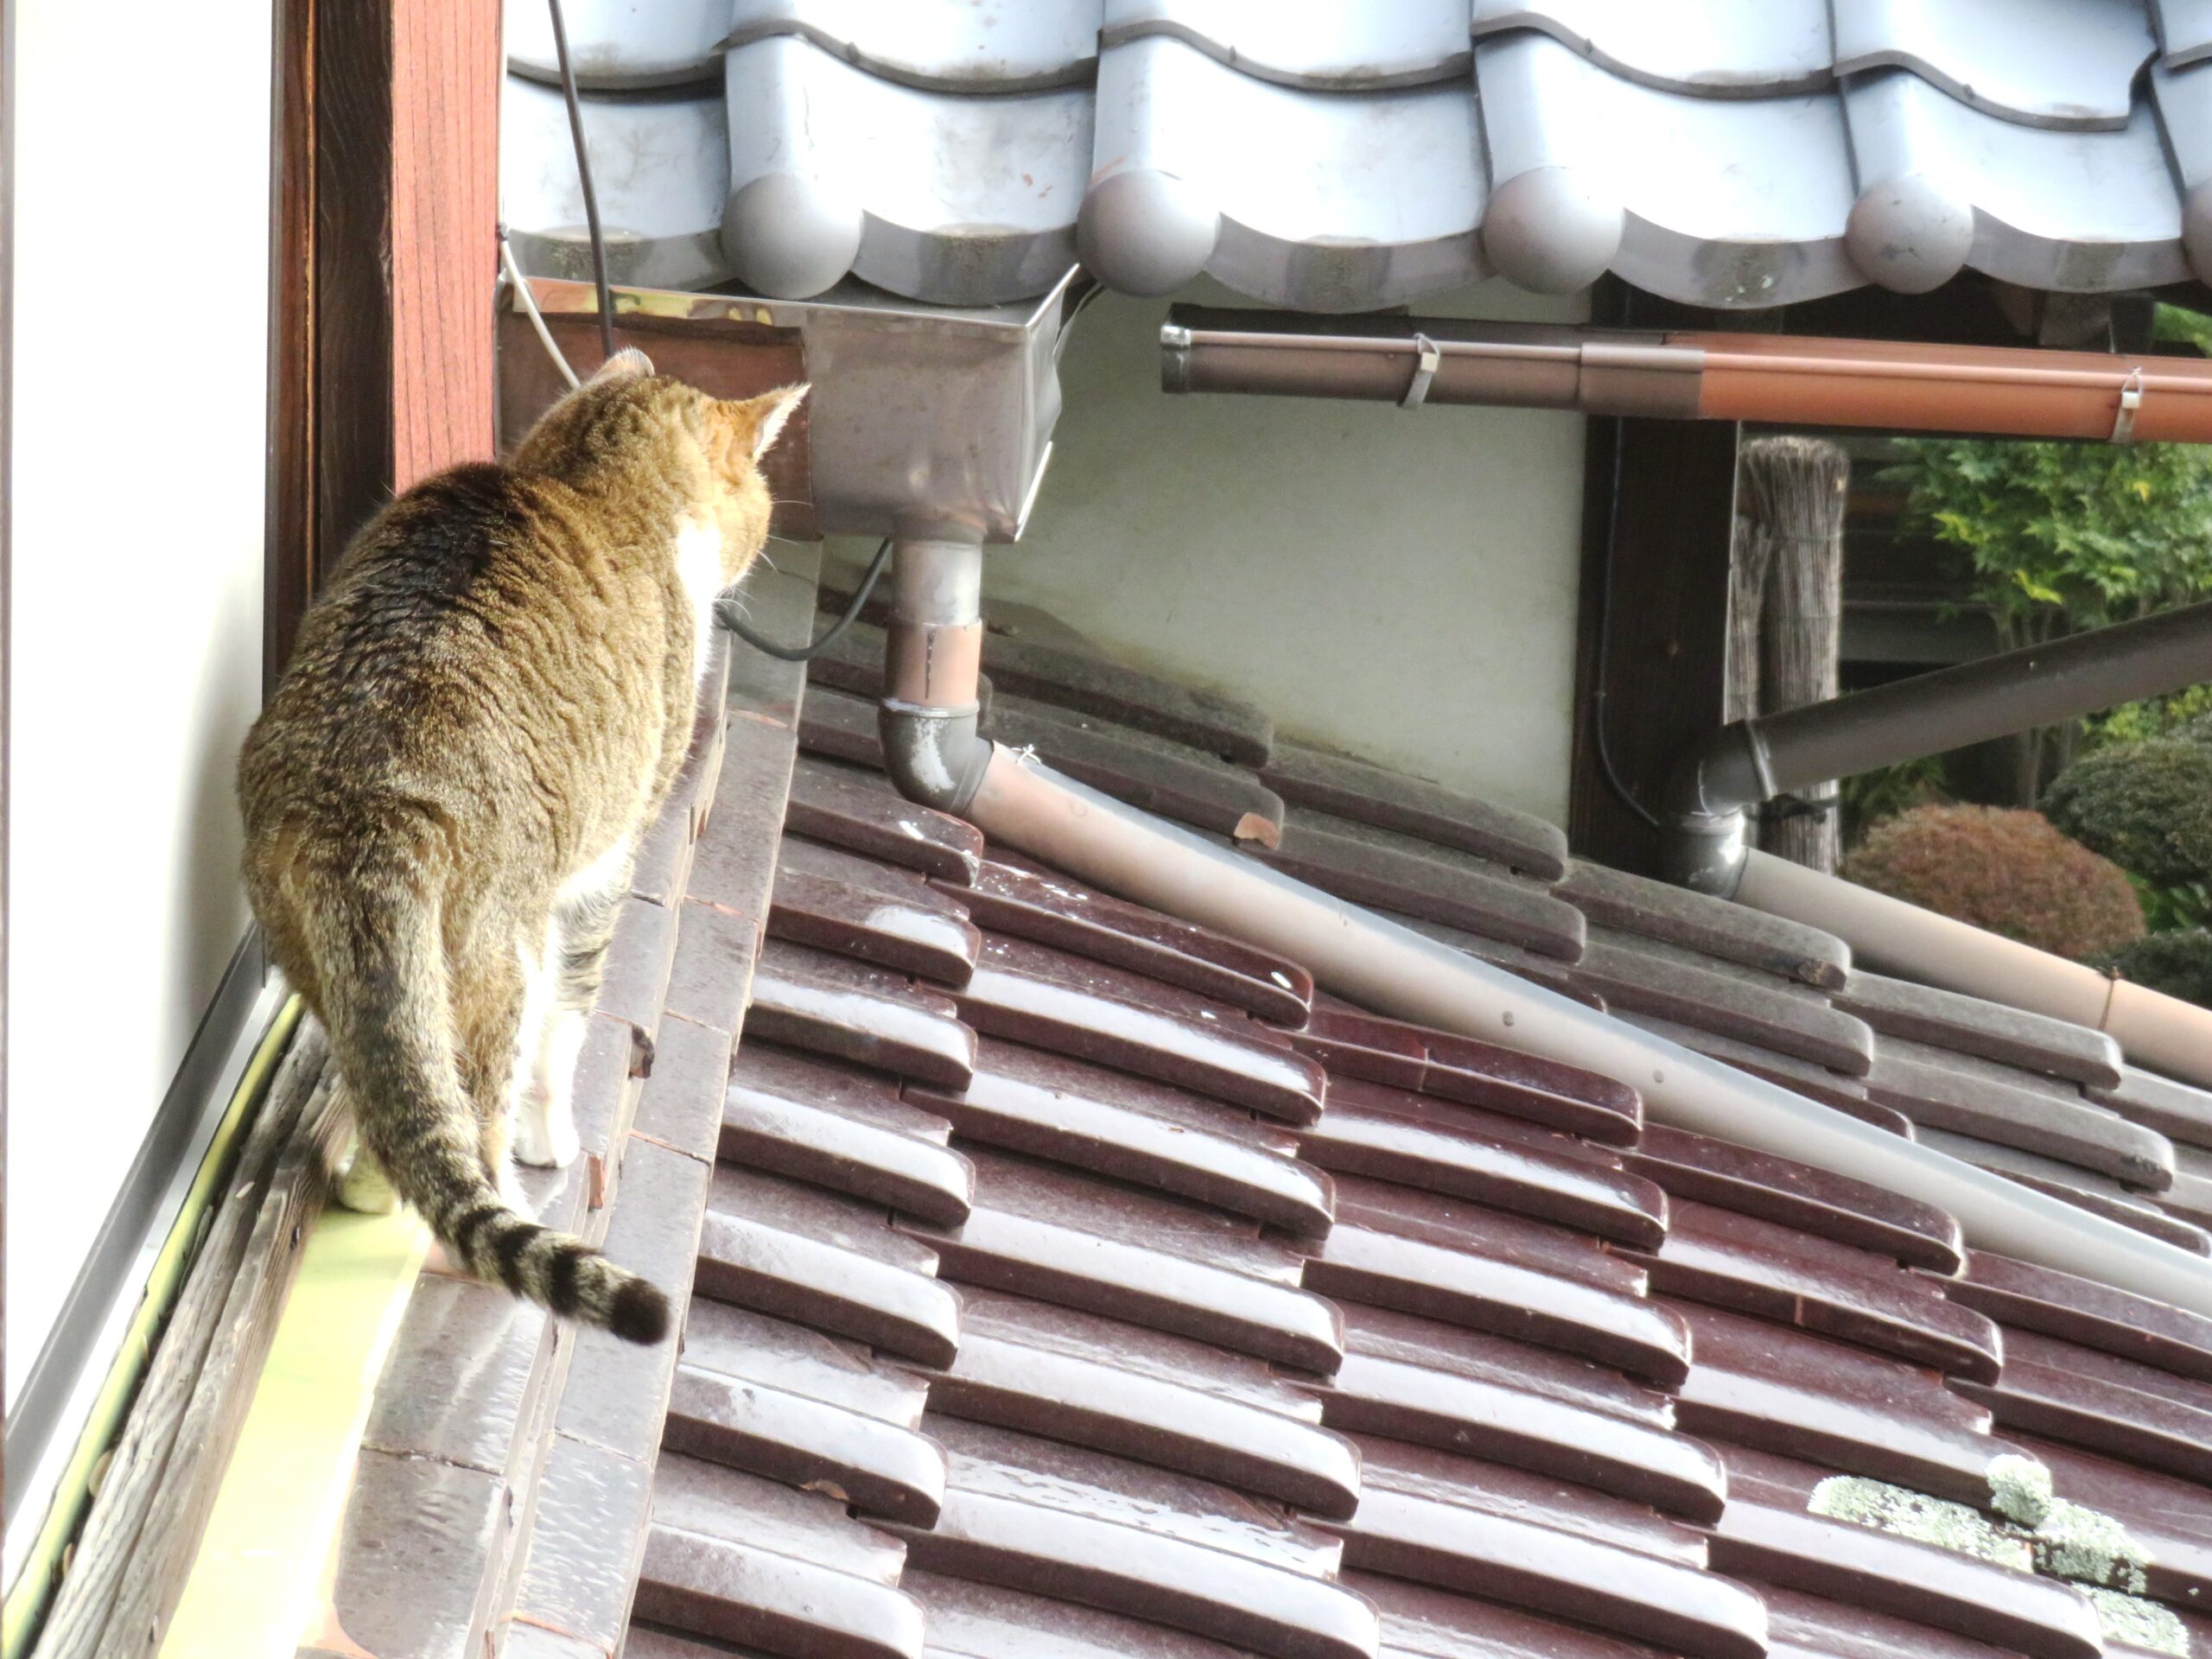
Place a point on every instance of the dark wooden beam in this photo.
(406, 206)
(288, 530)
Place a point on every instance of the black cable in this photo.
(1606, 768)
(808, 653)
(583, 173)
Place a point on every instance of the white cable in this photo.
(529, 303)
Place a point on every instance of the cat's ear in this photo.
(754, 422)
(622, 365)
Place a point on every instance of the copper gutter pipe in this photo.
(1020, 803)
(2015, 391)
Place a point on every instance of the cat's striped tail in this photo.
(377, 951)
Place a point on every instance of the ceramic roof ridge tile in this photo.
(822, 1592)
(2150, 1431)
(2017, 1611)
(1380, 866)
(1944, 1091)
(1784, 48)
(1350, 788)
(1110, 1124)
(2055, 1353)
(1029, 996)
(972, 1619)
(1758, 1267)
(830, 1005)
(1711, 926)
(2174, 1109)
(2190, 1194)
(2085, 1189)
(1814, 1201)
(1988, 1031)
(1780, 1389)
(1064, 1376)
(861, 812)
(1417, 1141)
(1846, 1094)
(802, 1254)
(1049, 43)
(1153, 774)
(844, 1129)
(1035, 1516)
(791, 1436)
(1148, 1259)
(1562, 1551)
(1009, 896)
(912, 934)
(2083, 1311)
(1613, 1324)
(1535, 1431)
(1675, 984)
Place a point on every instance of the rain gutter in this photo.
(934, 756)
(1783, 379)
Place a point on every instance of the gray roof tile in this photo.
(985, 46)
(1672, 915)
(1944, 1019)
(2052, 63)
(2184, 30)
(620, 43)
(1710, 47)
(1359, 48)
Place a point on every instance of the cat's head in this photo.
(626, 419)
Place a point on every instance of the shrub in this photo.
(2003, 869)
(2145, 806)
(2179, 964)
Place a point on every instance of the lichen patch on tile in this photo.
(1926, 1520)
(2069, 1540)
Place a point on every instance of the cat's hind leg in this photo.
(584, 916)
(529, 1127)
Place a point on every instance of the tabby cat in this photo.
(444, 797)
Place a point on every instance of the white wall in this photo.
(1400, 584)
(141, 275)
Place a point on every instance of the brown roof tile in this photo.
(1710, 926)
(1347, 788)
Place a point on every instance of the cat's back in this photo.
(477, 612)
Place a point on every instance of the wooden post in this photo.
(1749, 557)
(1797, 488)
(406, 258)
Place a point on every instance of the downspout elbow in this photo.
(934, 756)
(1705, 819)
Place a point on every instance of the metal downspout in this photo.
(934, 755)
(1706, 811)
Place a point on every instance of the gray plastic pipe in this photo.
(1397, 972)
(1889, 935)
(1017, 801)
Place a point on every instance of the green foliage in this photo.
(2062, 536)
(2182, 326)
(1887, 790)
(2179, 964)
(2178, 715)
(2005, 870)
(2145, 806)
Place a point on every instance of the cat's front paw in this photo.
(545, 1134)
